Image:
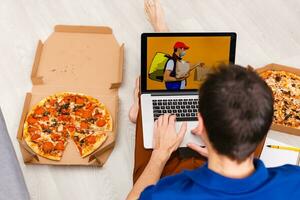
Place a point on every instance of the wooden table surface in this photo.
(268, 32)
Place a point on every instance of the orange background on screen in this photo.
(210, 50)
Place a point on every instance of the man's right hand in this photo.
(201, 150)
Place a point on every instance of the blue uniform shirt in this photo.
(202, 183)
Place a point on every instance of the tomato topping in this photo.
(68, 99)
(39, 111)
(64, 118)
(79, 100)
(55, 137)
(101, 122)
(47, 147)
(44, 126)
(86, 114)
(84, 125)
(72, 98)
(32, 129)
(98, 115)
(91, 139)
(78, 112)
(60, 146)
(88, 105)
(35, 137)
(71, 128)
(52, 111)
(31, 120)
(60, 118)
(45, 118)
(52, 102)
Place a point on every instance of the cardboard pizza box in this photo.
(81, 59)
(281, 128)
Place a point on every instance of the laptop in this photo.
(173, 67)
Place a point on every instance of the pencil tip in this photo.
(268, 145)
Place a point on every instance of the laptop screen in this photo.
(175, 62)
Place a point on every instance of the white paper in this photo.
(277, 157)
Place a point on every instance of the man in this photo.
(171, 82)
(235, 113)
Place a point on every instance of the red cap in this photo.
(180, 45)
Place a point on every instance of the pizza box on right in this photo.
(277, 127)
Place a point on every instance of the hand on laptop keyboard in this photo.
(166, 139)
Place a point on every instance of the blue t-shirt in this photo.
(202, 183)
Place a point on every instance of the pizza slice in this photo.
(88, 144)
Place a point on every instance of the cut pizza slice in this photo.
(89, 144)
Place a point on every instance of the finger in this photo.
(155, 134)
(201, 150)
(155, 124)
(194, 130)
(166, 119)
(182, 130)
(172, 120)
(160, 121)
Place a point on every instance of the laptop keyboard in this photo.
(184, 109)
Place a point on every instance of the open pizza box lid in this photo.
(81, 59)
(277, 127)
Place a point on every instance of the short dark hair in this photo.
(237, 110)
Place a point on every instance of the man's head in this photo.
(180, 48)
(236, 107)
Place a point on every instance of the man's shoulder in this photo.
(285, 172)
(169, 185)
(173, 181)
(288, 175)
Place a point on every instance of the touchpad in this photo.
(189, 136)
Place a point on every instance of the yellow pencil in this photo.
(284, 148)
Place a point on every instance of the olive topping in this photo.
(287, 116)
(286, 92)
(76, 138)
(46, 113)
(47, 130)
(92, 120)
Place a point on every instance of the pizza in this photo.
(62, 117)
(286, 91)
